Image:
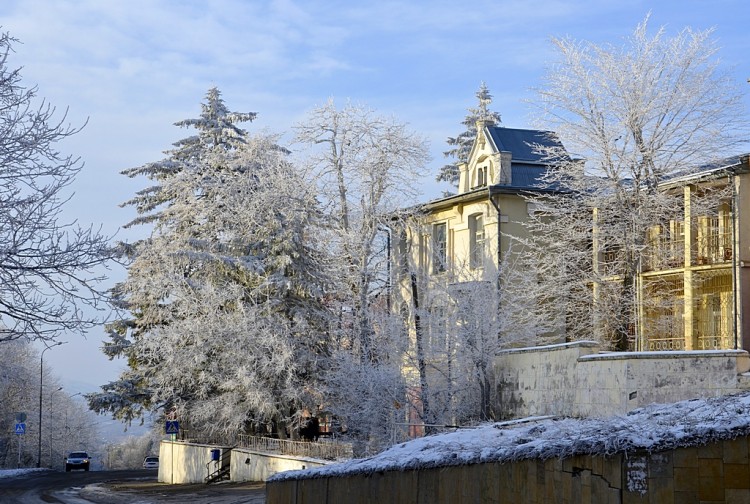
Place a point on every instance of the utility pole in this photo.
(41, 384)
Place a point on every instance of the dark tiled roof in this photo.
(520, 142)
(527, 176)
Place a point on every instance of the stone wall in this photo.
(575, 379)
(716, 472)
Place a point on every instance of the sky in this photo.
(130, 70)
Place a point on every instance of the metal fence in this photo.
(325, 450)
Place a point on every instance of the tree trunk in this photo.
(421, 361)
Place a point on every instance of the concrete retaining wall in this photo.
(574, 379)
(248, 465)
(181, 463)
(717, 472)
(184, 462)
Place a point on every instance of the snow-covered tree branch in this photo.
(365, 166)
(50, 269)
(636, 116)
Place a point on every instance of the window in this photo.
(714, 237)
(439, 247)
(437, 329)
(481, 176)
(476, 251)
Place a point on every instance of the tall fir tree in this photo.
(225, 292)
(461, 144)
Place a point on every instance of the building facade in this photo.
(694, 286)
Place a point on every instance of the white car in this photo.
(77, 460)
(151, 463)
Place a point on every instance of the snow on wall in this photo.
(651, 429)
(575, 379)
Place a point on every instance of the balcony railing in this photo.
(665, 344)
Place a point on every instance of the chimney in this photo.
(505, 176)
(463, 178)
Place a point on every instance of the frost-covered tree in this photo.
(17, 394)
(50, 268)
(365, 166)
(225, 295)
(67, 423)
(371, 400)
(365, 170)
(461, 144)
(129, 453)
(465, 316)
(636, 115)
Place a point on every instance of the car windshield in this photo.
(152, 459)
(78, 455)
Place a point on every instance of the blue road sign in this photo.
(172, 427)
(21, 428)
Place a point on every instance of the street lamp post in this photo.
(41, 384)
(50, 435)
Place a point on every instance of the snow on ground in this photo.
(653, 428)
(15, 473)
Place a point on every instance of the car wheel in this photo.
(67, 468)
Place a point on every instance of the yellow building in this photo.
(447, 266)
(695, 283)
(464, 236)
(694, 296)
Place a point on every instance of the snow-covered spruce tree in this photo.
(49, 268)
(365, 165)
(226, 325)
(461, 144)
(636, 115)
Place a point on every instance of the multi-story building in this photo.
(449, 271)
(694, 286)
(464, 235)
(457, 262)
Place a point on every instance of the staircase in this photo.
(221, 467)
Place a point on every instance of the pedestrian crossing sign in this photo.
(21, 428)
(172, 427)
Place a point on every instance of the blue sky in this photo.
(134, 68)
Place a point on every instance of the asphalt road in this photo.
(120, 487)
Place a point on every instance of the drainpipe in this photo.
(389, 260)
(499, 248)
(735, 250)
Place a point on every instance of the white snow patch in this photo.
(650, 429)
(15, 473)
